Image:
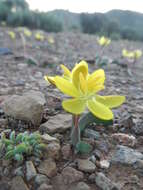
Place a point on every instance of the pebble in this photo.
(28, 107)
(105, 183)
(58, 123)
(18, 184)
(40, 179)
(48, 168)
(45, 187)
(89, 133)
(71, 175)
(86, 165)
(53, 150)
(30, 170)
(104, 164)
(126, 155)
(124, 139)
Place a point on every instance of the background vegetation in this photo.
(115, 24)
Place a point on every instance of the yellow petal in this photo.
(111, 101)
(50, 79)
(75, 106)
(66, 87)
(83, 83)
(97, 77)
(99, 110)
(66, 71)
(81, 67)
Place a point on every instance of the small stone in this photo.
(71, 175)
(91, 178)
(124, 139)
(93, 159)
(58, 123)
(48, 168)
(105, 183)
(45, 187)
(89, 133)
(19, 171)
(66, 151)
(125, 155)
(48, 139)
(28, 107)
(104, 164)
(40, 179)
(82, 186)
(18, 184)
(30, 170)
(86, 165)
(53, 150)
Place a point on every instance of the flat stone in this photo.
(105, 183)
(30, 170)
(126, 155)
(28, 107)
(86, 165)
(58, 123)
(71, 175)
(48, 168)
(18, 184)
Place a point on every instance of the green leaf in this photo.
(12, 136)
(10, 147)
(83, 147)
(18, 157)
(19, 138)
(89, 118)
(9, 154)
(7, 142)
(21, 148)
(40, 146)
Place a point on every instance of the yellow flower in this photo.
(103, 41)
(27, 32)
(83, 88)
(11, 34)
(51, 40)
(39, 37)
(138, 53)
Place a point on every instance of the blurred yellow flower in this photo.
(83, 87)
(39, 37)
(27, 32)
(103, 41)
(51, 40)
(136, 54)
(12, 35)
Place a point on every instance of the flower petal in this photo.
(83, 83)
(50, 79)
(98, 77)
(99, 110)
(66, 87)
(66, 71)
(81, 67)
(111, 101)
(75, 106)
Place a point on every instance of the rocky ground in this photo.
(116, 161)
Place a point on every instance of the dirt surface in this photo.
(19, 75)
